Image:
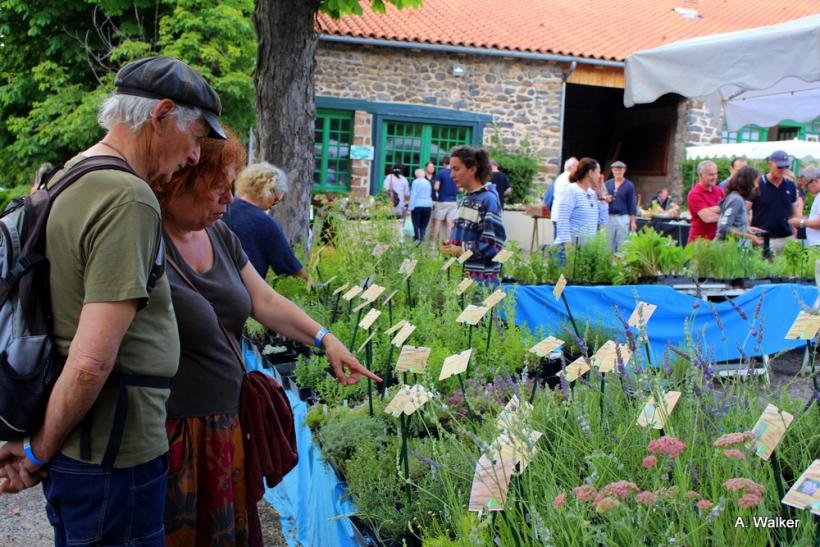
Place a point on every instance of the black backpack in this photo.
(29, 362)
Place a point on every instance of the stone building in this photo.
(405, 86)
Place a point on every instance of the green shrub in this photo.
(8, 194)
(519, 165)
(342, 436)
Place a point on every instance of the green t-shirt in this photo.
(101, 241)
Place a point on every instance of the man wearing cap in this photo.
(776, 202)
(703, 202)
(811, 224)
(623, 208)
(103, 440)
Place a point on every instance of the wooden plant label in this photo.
(449, 262)
(361, 306)
(352, 293)
(465, 256)
(368, 320)
(396, 327)
(389, 297)
(575, 370)
(364, 344)
(805, 326)
(380, 249)
(407, 267)
(805, 493)
(455, 364)
(402, 336)
(769, 431)
(514, 414)
(472, 315)
(491, 482)
(559, 287)
(606, 358)
(654, 415)
(407, 400)
(520, 447)
(372, 293)
(546, 346)
(341, 289)
(641, 314)
(494, 298)
(502, 256)
(413, 359)
(464, 285)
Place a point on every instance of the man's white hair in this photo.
(136, 111)
(570, 162)
(704, 164)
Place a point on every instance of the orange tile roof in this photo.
(599, 29)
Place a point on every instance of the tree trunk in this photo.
(285, 102)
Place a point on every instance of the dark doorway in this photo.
(597, 125)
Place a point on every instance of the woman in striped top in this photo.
(580, 212)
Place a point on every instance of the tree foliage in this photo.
(59, 60)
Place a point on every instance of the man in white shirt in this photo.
(561, 184)
(811, 224)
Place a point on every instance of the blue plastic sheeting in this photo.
(310, 500)
(537, 308)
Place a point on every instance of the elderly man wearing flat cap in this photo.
(623, 208)
(777, 202)
(103, 440)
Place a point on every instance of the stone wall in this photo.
(360, 169)
(524, 97)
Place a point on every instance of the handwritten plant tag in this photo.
(769, 431)
(518, 446)
(372, 293)
(449, 262)
(491, 482)
(472, 315)
(805, 493)
(361, 306)
(502, 256)
(413, 359)
(464, 285)
(407, 400)
(641, 314)
(558, 290)
(494, 298)
(341, 289)
(575, 370)
(402, 336)
(805, 326)
(364, 344)
(396, 327)
(407, 267)
(455, 364)
(389, 297)
(654, 415)
(368, 320)
(380, 249)
(465, 256)
(546, 346)
(514, 414)
(352, 293)
(606, 358)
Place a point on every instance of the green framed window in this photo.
(331, 150)
(747, 133)
(412, 145)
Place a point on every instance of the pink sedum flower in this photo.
(704, 505)
(666, 445)
(734, 454)
(731, 439)
(584, 492)
(752, 499)
(620, 490)
(649, 462)
(691, 494)
(646, 498)
(559, 501)
(747, 486)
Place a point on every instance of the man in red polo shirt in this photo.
(703, 202)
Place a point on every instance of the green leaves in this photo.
(339, 8)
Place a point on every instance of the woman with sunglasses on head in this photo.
(581, 213)
(258, 188)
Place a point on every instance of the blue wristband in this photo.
(319, 336)
(30, 453)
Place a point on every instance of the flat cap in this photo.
(811, 173)
(169, 78)
(618, 163)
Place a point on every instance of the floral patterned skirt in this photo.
(206, 503)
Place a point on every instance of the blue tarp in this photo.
(541, 312)
(310, 500)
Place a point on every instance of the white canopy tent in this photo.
(801, 150)
(757, 76)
